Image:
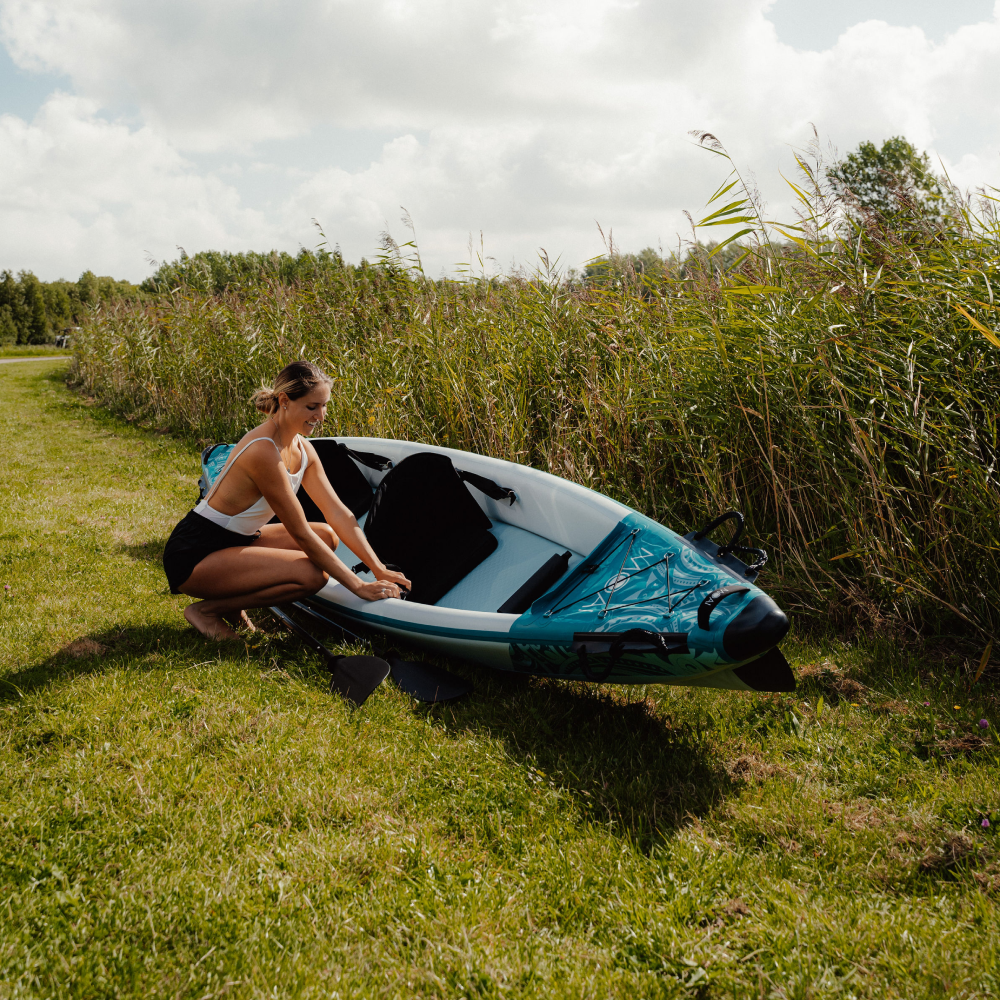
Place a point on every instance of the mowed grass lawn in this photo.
(183, 819)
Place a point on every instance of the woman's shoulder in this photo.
(258, 433)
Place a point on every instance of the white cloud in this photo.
(79, 192)
(527, 121)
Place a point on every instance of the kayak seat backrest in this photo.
(345, 477)
(424, 520)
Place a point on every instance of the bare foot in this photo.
(240, 621)
(210, 625)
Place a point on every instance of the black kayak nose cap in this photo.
(758, 627)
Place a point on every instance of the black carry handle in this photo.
(493, 490)
(731, 547)
(369, 458)
(710, 603)
(664, 644)
(730, 515)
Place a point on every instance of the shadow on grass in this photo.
(100, 651)
(627, 765)
(151, 551)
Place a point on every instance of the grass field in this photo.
(181, 819)
(32, 350)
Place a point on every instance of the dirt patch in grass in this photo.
(952, 740)
(956, 850)
(832, 681)
(892, 707)
(753, 769)
(80, 648)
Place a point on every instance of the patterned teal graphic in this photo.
(644, 576)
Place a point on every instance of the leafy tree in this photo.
(88, 291)
(891, 182)
(8, 328)
(36, 327)
(59, 306)
(33, 311)
(214, 271)
(12, 305)
(623, 266)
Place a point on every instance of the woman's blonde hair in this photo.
(295, 381)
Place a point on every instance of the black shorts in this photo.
(194, 538)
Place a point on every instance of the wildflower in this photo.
(927, 704)
(957, 708)
(983, 724)
(6, 586)
(985, 823)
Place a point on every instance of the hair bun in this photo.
(294, 380)
(265, 399)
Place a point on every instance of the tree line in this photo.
(892, 187)
(36, 312)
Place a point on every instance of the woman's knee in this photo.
(326, 533)
(311, 576)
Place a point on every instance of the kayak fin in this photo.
(770, 672)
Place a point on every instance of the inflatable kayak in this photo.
(523, 571)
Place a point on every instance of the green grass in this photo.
(181, 819)
(33, 350)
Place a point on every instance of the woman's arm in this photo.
(269, 476)
(340, 517)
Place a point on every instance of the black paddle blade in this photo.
(770, 672)
(426, 683)
(356, 677)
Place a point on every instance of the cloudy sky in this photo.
(131, 127)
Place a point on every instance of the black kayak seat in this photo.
(347, 480)
(424, 520)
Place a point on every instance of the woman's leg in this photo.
(276, 536)
(248, 576)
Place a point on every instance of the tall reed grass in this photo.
(840, 386)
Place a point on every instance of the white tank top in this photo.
(254, 518)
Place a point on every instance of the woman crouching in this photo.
(226, 553)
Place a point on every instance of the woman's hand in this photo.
(378, 590)
(390, 576)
